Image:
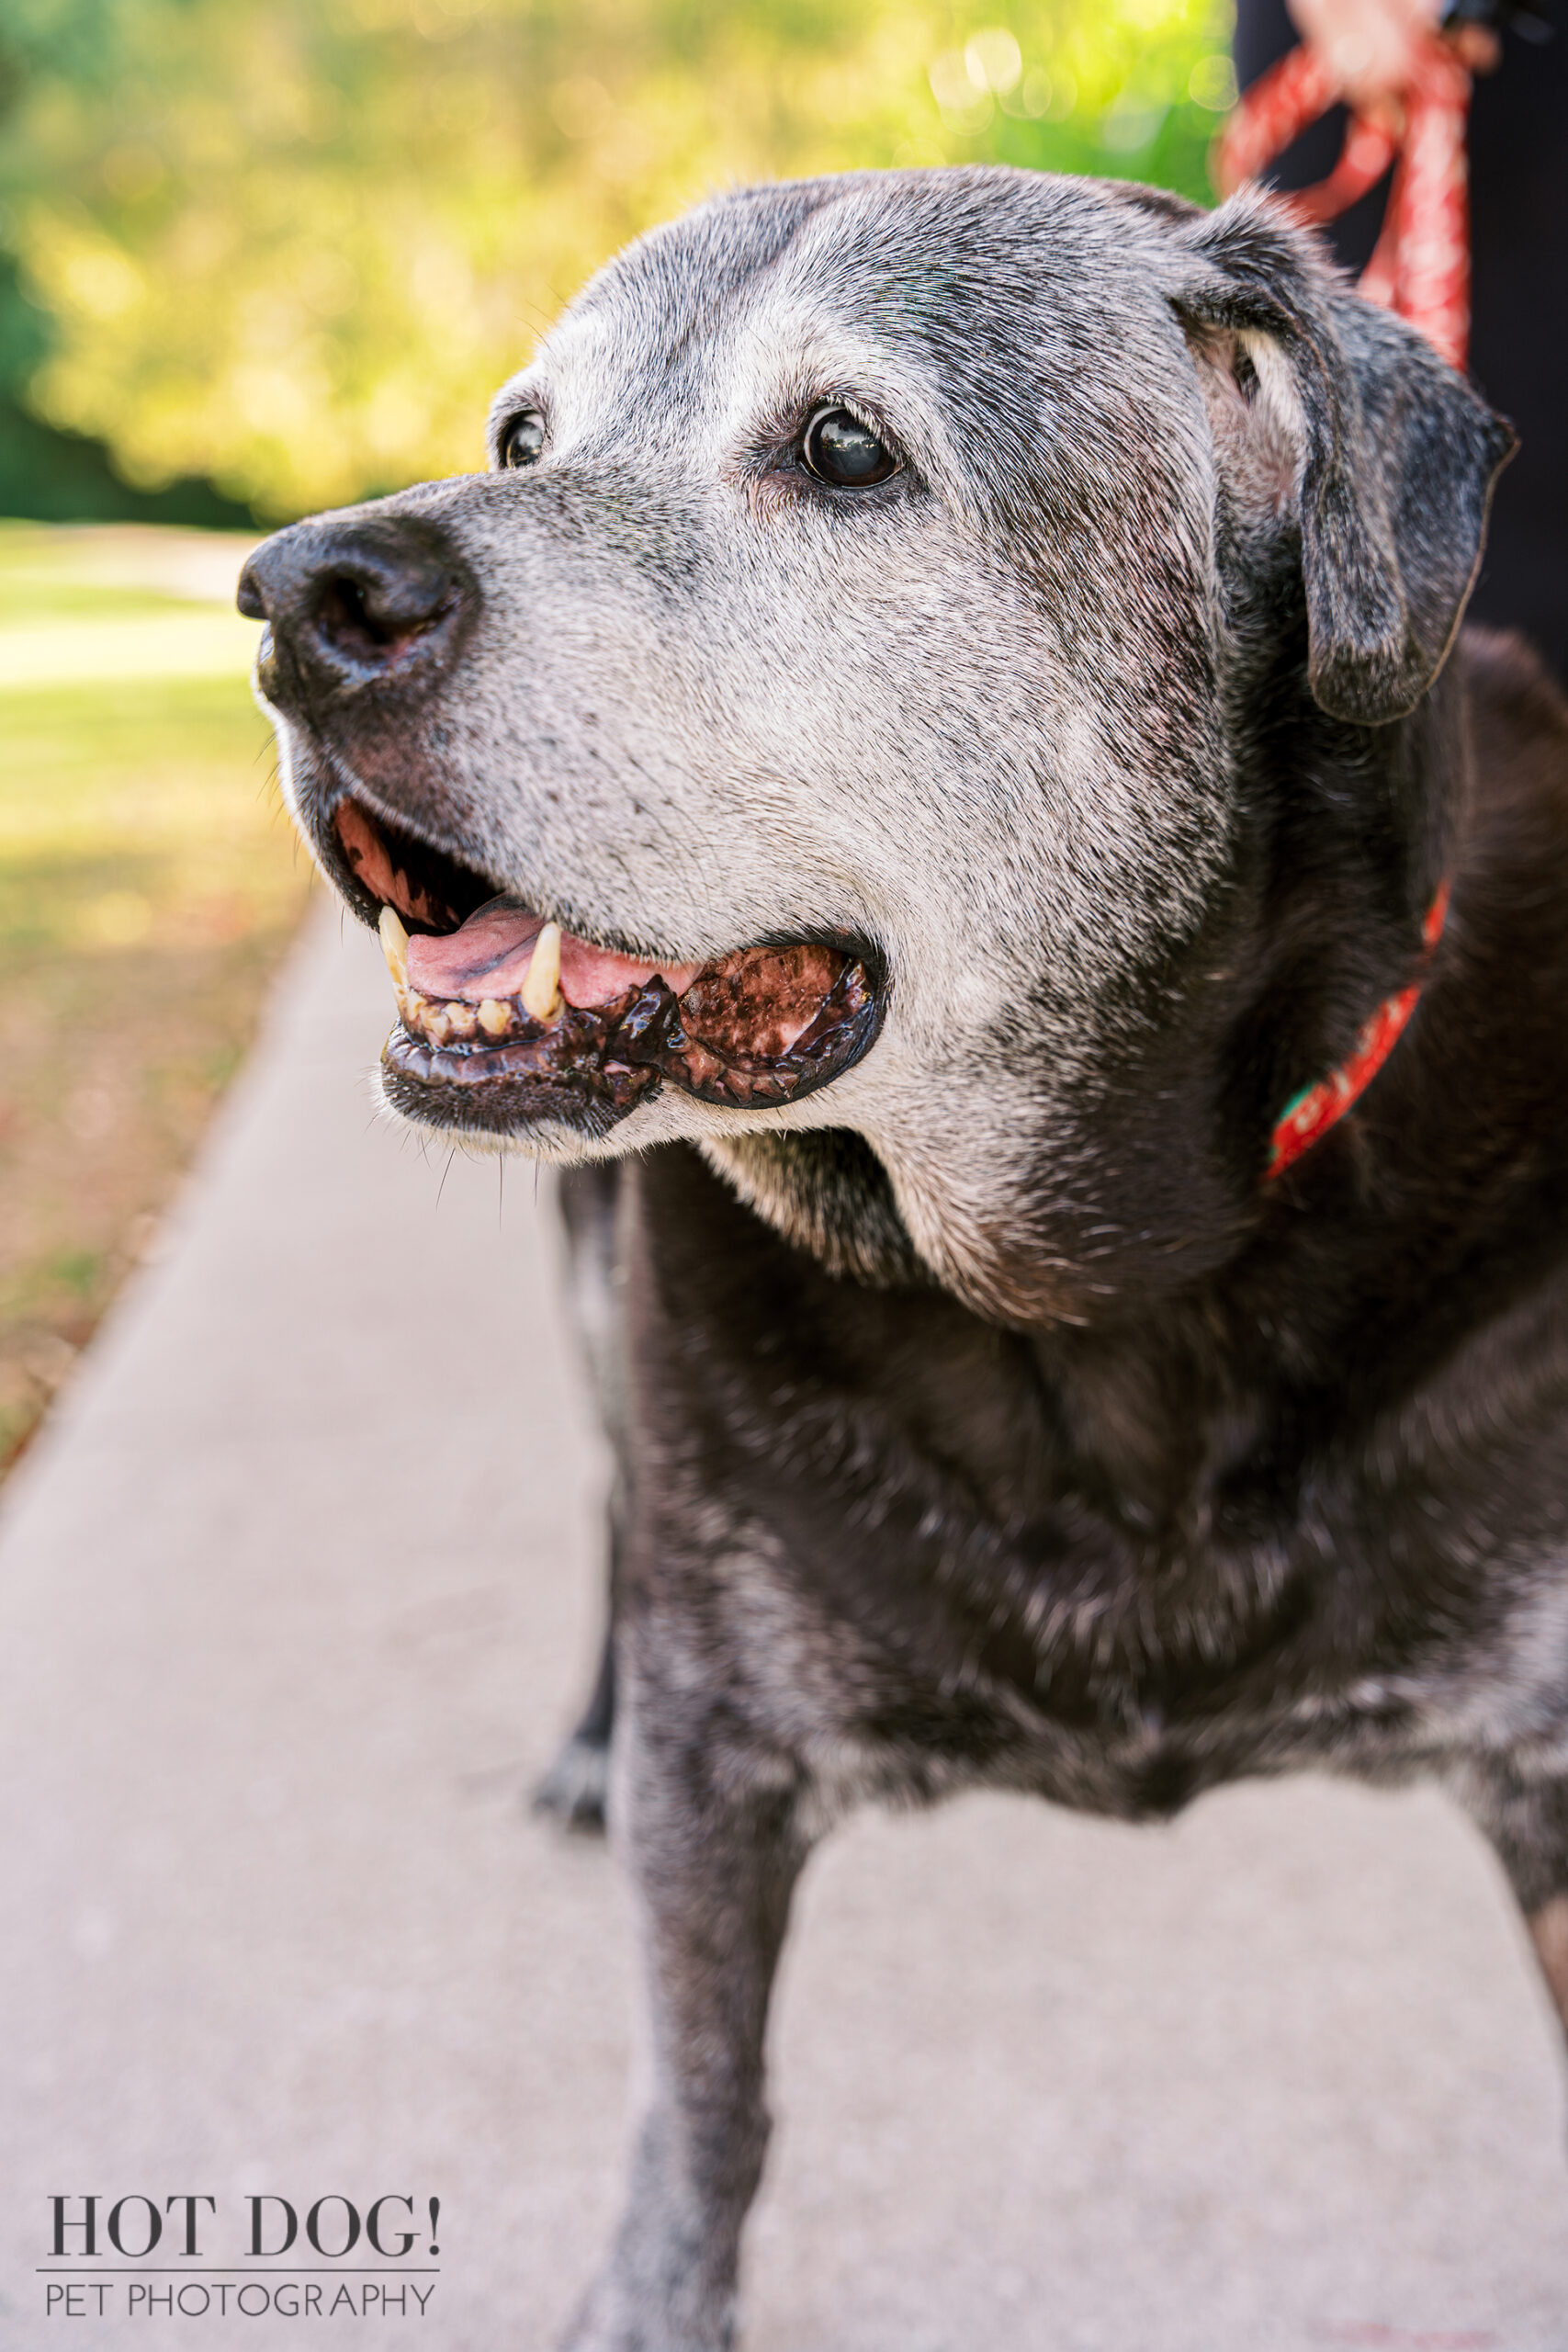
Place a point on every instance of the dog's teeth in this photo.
(395, 947)
(495, 1018)
(541, 990)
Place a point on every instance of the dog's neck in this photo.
(1168, 1201)
(827, 1192)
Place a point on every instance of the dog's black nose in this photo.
(356, 602)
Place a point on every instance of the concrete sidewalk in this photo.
(296, 1595)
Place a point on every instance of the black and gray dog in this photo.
(945, 719)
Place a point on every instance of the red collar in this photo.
(1310, 1115)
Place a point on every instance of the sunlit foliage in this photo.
(293, 244)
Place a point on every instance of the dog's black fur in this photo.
(1227, 1530)
(1302, 1475)
(1154, 1473)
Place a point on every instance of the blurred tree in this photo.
(47, 473)
(292, 247)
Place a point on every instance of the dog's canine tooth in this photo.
(541, 990)
(495, 1018)
(395, 947)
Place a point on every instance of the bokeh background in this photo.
(259, 257)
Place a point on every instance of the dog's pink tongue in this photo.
(489, 956)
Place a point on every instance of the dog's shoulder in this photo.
(1497, 1043)
(1519, 741)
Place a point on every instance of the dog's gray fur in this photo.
(982, 722)
(992, 719)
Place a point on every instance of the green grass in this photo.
(149, 881)
(31, 593)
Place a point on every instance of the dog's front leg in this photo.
(711, 1832)
(1549, 1932)
(1525, 1814)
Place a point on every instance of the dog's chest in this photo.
(880, 1619)
(906, 1546)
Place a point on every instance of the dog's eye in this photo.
(522, 439)
(840, 449)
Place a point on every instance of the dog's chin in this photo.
(512, 1029)
(561, 1133)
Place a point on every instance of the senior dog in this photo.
(940, 748)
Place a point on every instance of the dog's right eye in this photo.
(841, 450)
(522, 439)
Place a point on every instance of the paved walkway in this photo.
(297, 1594)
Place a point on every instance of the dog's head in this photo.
(913, 708)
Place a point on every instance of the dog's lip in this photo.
(494, 997)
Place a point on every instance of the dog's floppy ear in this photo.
(1393, 455)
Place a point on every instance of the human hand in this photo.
(1371, 46)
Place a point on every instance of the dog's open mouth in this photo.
(505, 1017)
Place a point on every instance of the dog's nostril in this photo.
(380, 599)
(373, 620)
(340, 614)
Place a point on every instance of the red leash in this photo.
(1421, 267)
